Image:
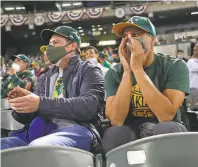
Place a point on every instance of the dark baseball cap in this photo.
(23, 57)
(143, 23)
(64, 31)
(91, 47)
(102, 55)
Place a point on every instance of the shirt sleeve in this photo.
(189, 64)
(21, 82)
(111, 85)
(178, 77)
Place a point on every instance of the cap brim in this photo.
(118, 28)
(17, 57)
(46, 34)
(20, 59)
(43, 48)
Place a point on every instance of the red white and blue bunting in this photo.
(18, 20)
(75, 15)
(94, 13)
(4, 20)
(138, 10)
(56, 16)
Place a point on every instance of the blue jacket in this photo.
(83, 94)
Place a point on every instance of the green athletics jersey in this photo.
(106, 64)
(20, 79)
(165, 72)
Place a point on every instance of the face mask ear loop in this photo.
(67, 45)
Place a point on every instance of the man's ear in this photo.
(153, 40)
(75, 45)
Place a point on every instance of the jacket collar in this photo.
(71, 66)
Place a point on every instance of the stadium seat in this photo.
(4, 104)
(193, 120)
(167, 150)
(8, 122)
(46, 156)
(99, 160)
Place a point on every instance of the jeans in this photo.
(119, 135)
(73, 136)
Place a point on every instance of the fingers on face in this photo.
(122, 47)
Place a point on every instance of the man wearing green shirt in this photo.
(144, 91)
(18, 75)
(103, 60)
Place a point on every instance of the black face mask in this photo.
(116, 60)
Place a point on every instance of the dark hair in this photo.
(92, 47)
(102, 55)
(115, 51)
(180, 51)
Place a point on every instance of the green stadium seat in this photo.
(167, 150)
(46, 156)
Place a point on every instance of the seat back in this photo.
(167, 150)
(5, 105)
(46, 156)
(193, 117)
(184, 116)
(8, 122)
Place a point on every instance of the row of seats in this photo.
(168, 150)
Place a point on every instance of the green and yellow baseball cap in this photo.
(65, 31)
(34, 63)
(23, 57)
(143, 23)
(43, 48)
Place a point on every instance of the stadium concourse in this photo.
(99, 84)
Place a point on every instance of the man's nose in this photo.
(129, 35)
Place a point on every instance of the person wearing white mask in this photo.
(18, 75)
(180, 55)
(92, 56)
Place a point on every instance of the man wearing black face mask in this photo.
(71, 92)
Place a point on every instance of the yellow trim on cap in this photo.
(34, 63)
(43, 48)
(118, 28)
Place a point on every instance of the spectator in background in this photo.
(18, 75)
(193, 70)
(3, 66)
(115, 57)
(45, 58)
(92, 57)
(103, 60)
(37, 69)
(83, 55)
(180, 55)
